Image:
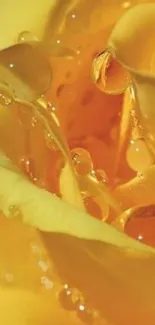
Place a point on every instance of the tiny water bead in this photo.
(57, 49)
(52, 110)
(46, 282)
(72, 299)
(67, 298)
(108, 75)
(34, 121)
(82, 161)
(86, 315)
(14, 211)
(5, 100)
(138, 155)
(77, 21)
(49, 110)
(28, 167)
(50, 141)
(126, 4)
(43, 265)
(35, 248)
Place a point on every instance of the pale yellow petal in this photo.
(132, 43)
(105, 264)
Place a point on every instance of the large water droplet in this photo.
(27, 37)
(109, 76)
(138, 156)
(82, 161)
(141, 224)
(25, 71)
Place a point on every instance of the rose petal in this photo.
(132, 43)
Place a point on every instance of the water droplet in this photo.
(78, 18)
(139, 223)
(14, 211)
(82, 161)
(81, 307)
(140, 237)
(35, 249)
(50, 141)
(70, 297)
(28, 167)
(142, 229)
(48, 284)
(34, 121)
(5, 100)
(140, 176)
(137, 132)
(51, 108)
(43, 265)
(58, 49)
(27, 37)
(79, 50)
(100, 175)
(52, 111)
(134, 117)
(72, 21)
(65, 298)
(109, 76)
(85, 314)
(138, 156)
(25, 70)
(126, 4)
(73, 16)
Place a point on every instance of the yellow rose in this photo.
(52, 246)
